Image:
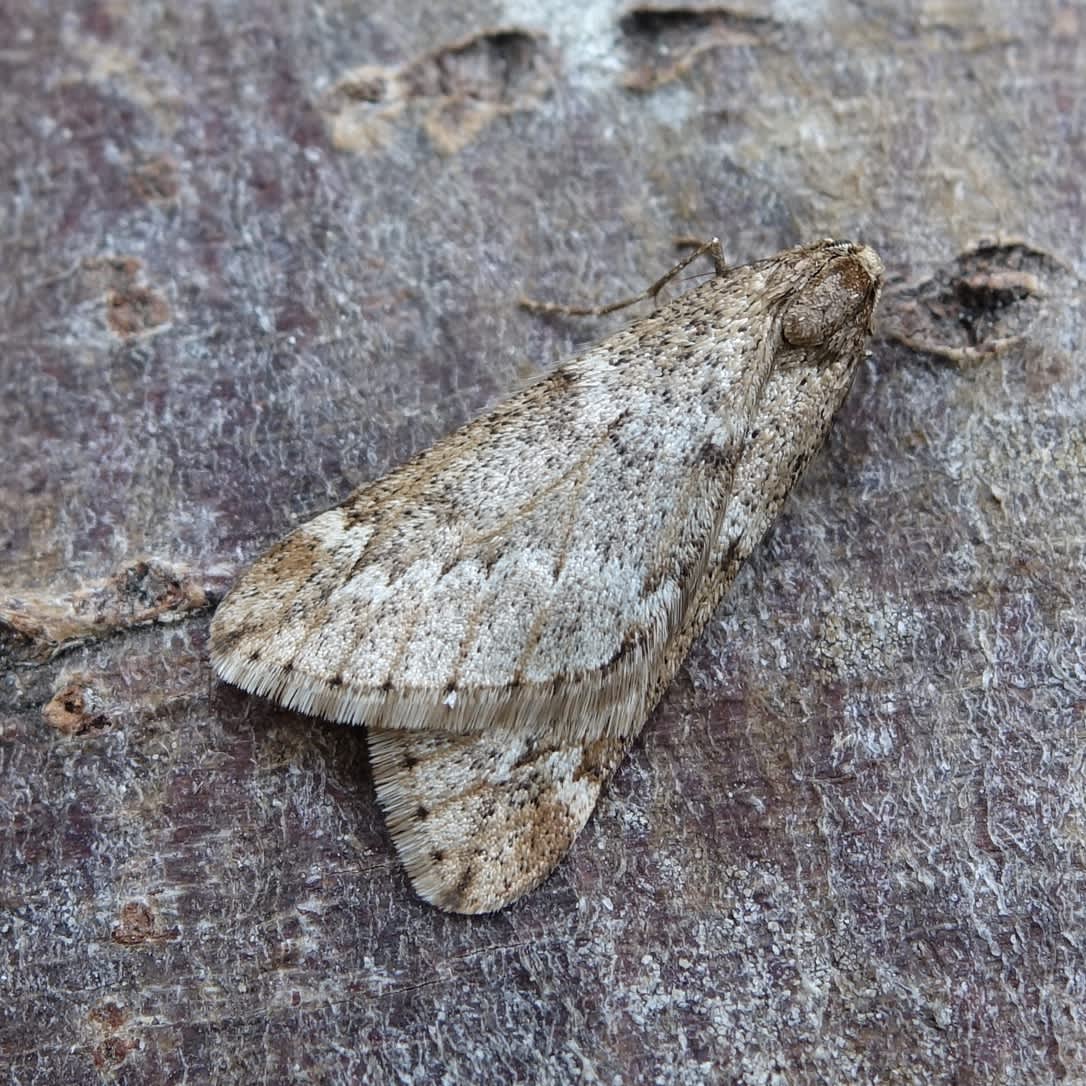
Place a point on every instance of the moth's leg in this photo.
(712, 247)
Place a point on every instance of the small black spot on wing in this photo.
(633, 642)
(718, 457)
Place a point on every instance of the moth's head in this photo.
(837, 286)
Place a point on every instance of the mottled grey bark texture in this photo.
(253, 254)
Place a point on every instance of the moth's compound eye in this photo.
(832, 299)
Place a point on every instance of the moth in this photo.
(503, 611)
